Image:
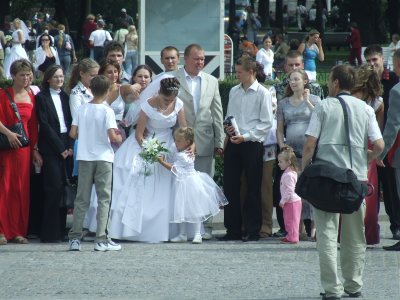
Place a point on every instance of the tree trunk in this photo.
(279, 15)
(263, 12)
(319, 20)
(393, 16)
(232, 16)
(60, 13)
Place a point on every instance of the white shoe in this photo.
(197, 239)
(207, 236)
(182, 238)
(74, 245)
(107, 246)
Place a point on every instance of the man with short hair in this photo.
(203, 111)
(123, 18)
(327, 130)
(391, 135)
(170, 58)
(391, 196)
(97, 39)
(293, 61)
(114, 51)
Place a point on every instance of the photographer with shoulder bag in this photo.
(327, 135)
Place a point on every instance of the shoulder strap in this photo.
(13, 105)
(346, 125)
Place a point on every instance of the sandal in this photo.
(19, 240)
(3, 240)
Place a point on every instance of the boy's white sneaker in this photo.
(74, 245)
(197, 239)
(182, 238)
(107, 246)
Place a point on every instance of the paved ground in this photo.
(212, 270)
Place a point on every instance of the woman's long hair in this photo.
(84, 66)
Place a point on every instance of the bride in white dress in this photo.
(141, 204)
(17, 51)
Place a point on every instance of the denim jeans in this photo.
(130, 62)
(65, 61)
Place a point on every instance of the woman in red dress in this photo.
(16, 164)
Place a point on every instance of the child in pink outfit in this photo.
(290, 201)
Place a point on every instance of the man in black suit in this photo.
(55, 147)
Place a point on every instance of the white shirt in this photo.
(93, 121)
(194, 84)
(266, 58)
(57, 103)
(252, 110)
(99, 36)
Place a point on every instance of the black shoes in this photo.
(354, 295)
(350, 295)
(280, 234)
(395, 247)
(396, 234)
(230, 237)
(236, 237)
(251, 238)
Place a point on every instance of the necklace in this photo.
(162, 110)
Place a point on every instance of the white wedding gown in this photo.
(141, 205)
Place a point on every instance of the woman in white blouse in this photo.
(46, 55)
(265, 56)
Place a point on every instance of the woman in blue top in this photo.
(311, 49)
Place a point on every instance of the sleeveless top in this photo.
(310, 54)
(118, 106)
(15, 38)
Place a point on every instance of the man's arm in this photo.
(392, 126)
(308, 151)
(217, 116)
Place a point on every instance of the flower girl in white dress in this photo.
(196, 197)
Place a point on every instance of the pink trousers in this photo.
(292, 215)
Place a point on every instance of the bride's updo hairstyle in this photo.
(169, 86)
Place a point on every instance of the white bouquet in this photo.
(152, 149)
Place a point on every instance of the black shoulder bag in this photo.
(330, 188)
(16, 128)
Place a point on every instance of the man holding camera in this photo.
(250, 104)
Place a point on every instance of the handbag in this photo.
(69, 192)
(16, 128)
(331, 188)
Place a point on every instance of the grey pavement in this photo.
(212, 270)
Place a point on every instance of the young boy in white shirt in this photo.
(96, 126)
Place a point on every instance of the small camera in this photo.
(230, 121)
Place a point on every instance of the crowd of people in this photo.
(94, 122)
